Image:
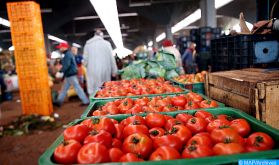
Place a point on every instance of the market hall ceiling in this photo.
(140, 20)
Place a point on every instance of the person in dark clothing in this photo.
(188, 59)
(69, 69)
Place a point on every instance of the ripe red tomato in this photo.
(197, 151)
(168, 140)
(260, 141)
(167, 117)
(183, 117)
(102, 137)
(226, 135)
(135, 120)
(77, 132)
(112, 109)
(66, 153)
(164, 153)
(172, 122)
(203, 114)
(130, 157)
(142, 101)
(116, 143)
(194, 97)
(155, 120)
(196, 125)
(192, 105)
(131, 129)
(156, 132)
(100, 124)
(182, 132)
(139, 144)
(241, 126)
(93, 153)
(118, 131)
(200, 139)
(126, 104)
(208, 104)
(169, 108)
(115, 154)
(99, 113)
(216, 124)
(135, 110)
(228, 148)
(178, 101)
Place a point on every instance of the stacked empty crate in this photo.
(31, 65)
(243, 51)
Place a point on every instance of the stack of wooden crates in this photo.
(30, 55)
(254, 91)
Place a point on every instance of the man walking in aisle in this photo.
(99, 62)
(69, 69)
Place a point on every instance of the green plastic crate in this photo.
(97, 103)
(47, 157)
(93, 98)
(195, 87)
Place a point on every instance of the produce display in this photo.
(136, 87)
(162, 65)
(191, 78)
(158, 137)
(156, 104)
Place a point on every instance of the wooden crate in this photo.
(254, 91)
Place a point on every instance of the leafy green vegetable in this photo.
(170, 74)
(163, 65)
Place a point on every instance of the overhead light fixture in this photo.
(160, 37)
(51, 37)
(5, 22)
(12, 48)
(97, 17)
(196, 15)
(150, 43)
(221, 3)
(76, 45)
(1, 49)
(109, 19)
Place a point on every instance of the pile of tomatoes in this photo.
(136, 87)
(156, 104)
(158, 137)
(191, 78)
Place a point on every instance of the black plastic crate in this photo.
(243, 51)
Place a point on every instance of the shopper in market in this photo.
(188, 59)
(168, 46)
(69, 70)
(99, 62)
(80, 67)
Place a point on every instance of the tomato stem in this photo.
(135, 140)
(193, 120)
(95, 120)
(173, 130)
(154, 132)
(192, 148)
